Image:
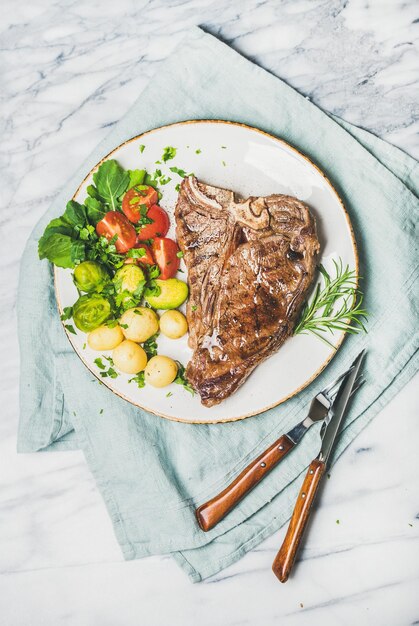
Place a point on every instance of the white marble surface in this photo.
(69, 70)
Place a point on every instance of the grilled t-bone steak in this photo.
(250, 264)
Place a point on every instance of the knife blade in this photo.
(331, 425)
(285, 558)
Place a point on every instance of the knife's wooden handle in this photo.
(285, 558)
(210, 513)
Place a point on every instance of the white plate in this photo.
(249, 162)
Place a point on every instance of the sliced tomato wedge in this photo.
(114, 223)
(147, 258)
(159, 225)
(135, 198)
(165, 252)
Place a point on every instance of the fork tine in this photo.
(329, 387)
(358, 383)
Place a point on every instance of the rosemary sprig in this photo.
(335, 305)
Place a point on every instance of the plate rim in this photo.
(354, 245)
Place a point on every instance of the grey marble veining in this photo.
(70, 70)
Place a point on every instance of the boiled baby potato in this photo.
(173, 324)
(105, 338)
(139, 323)
(160, 371)
(129, 357)
(170, 293)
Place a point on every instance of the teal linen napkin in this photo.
(153, 472)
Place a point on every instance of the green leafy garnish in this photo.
(139, 379)
(141, 147)
(96, 210)
(106, 373)
(111, 182)
(335, 305)
(150, 347)
(70, 328)
(110, 373)
(168, 153)
(178, 171)
(61, 243)
(179, 254)
(136, 177)
(67, 313)
(136, 253)
(182, 380)
(198, 151)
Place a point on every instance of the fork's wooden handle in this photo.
(285, 558)
(210, 513)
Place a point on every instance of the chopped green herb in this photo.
(224, 163)
(177, 187)
(182, 380)
(101, 411)
(153, 272)
(111, 373)
(150, 346)
(337, 521)
(141, 147)
(84, 346)
(178, 171)
(179, 254)
(168, 394)
(136, 253)
(224, 147)
(124, 326)
(198, 151)
(70, 329)
(194, 307)
(139, 379)
(168, 153)
(67, 313)
(111, 323)
(99, 363)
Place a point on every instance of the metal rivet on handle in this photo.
(303, 495)
(263, 464)
(281, 448)
(311, 471)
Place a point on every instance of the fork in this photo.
(213, 511)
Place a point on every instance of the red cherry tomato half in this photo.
(115, 223)
(134, 198)
(165, 252)
(158, 227)
(147, 258)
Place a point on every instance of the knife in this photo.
(213, 511)
(285, 558)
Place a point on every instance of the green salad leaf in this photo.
(111, 182)
(60, 249)
(95, 210)
(136, 177)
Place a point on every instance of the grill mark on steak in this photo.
(250, 264)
